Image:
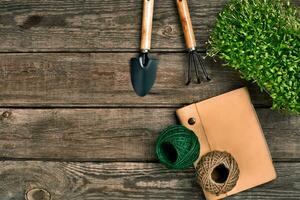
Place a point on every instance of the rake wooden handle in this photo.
(186, 23)
(147, 25)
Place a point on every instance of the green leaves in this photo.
(261, 39)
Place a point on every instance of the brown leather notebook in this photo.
(229, 123)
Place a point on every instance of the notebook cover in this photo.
(229, 123)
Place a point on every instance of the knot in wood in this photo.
(167, 31)
(6, 114)
(37, 194)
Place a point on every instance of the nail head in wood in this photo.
(37, 194)
(192, 121)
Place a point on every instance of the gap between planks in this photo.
(47, 51)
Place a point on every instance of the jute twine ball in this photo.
(217, 172)
(177, 147)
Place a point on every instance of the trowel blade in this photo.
(143, 77)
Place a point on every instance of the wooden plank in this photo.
(90, 181)
(114, 134)
(94, 25)
(97, 79)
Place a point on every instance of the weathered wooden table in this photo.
(70, 122)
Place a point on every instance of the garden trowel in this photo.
(143, 68)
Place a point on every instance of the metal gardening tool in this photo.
(195, 61)
(143, 68)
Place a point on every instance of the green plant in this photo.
(261, 39)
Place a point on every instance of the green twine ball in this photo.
(177, 147)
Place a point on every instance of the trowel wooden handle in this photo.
(147, 25)
(186, 23)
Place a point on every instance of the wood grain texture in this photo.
(98, 84)
(110, 134)
(91, 181)
(97, 79)
(93, 25)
